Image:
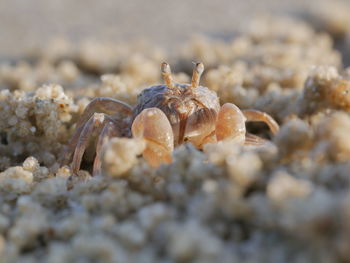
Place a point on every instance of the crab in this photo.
(165, 116)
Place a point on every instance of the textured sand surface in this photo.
(288, 201)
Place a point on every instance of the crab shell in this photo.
(192, 112)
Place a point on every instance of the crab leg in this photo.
(97, 121)
(251, 139)
(153, 126)
(254, 115)
(107, 132)
(230, 123)
(104, 105)
(100, 104)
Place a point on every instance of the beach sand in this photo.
(286, 202)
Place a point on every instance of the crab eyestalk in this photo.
(197, 72)
(166, 72)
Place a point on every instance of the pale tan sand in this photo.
(285, 203)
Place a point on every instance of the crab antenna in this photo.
(166, 72)
(197, 72)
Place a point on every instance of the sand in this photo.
(288, 202)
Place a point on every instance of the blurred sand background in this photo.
(28, 24)
(285, 203)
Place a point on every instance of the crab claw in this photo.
(154, 127)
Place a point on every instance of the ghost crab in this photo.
(165, 116)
